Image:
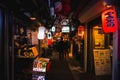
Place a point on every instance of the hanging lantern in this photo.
(109, 21)
(81, 31)
(41, 32)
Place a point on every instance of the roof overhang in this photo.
(92, 11)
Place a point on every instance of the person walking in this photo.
(66, 49)
(61, 48)
(78, 54)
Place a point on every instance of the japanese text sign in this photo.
(109, 21)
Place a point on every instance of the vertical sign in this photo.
(109, 20)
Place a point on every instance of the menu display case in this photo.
(40, 64)
(40, 68)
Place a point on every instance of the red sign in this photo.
(109, 21)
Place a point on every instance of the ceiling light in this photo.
(32, 18)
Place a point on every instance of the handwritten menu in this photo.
(102, 61)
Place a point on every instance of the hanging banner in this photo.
(109, 20)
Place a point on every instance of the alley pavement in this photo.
(70, 69)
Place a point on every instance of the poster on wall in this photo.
(102, 62)
(99, 37)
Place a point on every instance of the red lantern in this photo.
(109, 21)
(81, 31)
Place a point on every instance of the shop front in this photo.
(99, 45)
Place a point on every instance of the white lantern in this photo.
(41, 32)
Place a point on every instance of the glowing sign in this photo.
(41, 32)
(65, 29)
(109, 21)
(81, 31)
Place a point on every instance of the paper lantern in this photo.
(109, 20)
(41, 32)
(81, 31)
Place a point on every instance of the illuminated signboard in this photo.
(109, 21)
(40, 64)
(65, 29)
(41, 32)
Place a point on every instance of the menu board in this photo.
(102, 61)
(99, 38)
(40, 64)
